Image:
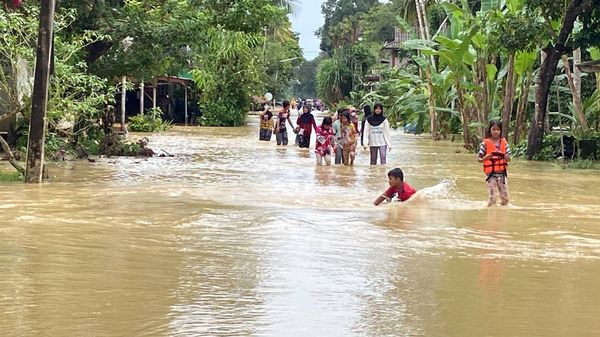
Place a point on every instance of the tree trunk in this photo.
(123, 101)
(576, 71)
(521, 106)
(11, 158)
(424, 30)
(431, 102)
(421, 3)
(576, 94)
(39, 98)
(465, 117)
(420, 20)
(484, 96)
(547, 73)
(509, 94)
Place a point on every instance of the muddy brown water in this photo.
(236, 237)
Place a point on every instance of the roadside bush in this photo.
(221, 113)
(151, 121)
(550, 148)
(582, 164)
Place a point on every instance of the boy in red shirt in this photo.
(397, 187)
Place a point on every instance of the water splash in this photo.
(445, 189)
(445, 195)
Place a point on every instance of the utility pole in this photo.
(39, 98)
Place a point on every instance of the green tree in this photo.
(334, 78)
(336, 11)
(559, 43)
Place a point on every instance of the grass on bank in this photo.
(7, 176)
(582, 164)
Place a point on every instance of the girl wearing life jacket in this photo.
(495, 154)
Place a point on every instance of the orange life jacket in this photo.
(497, 164)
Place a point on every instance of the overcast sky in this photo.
(306, 19)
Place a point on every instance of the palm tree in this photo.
(289, 5)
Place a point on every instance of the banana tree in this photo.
(524, 62)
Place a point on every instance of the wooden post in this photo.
(142, 97)
(39, 98)
(186, 103)
(154, 85)
(169, 95)
(123, 97)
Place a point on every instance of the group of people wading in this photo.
(338, 135)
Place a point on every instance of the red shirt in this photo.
(404, 192)
(307, 127)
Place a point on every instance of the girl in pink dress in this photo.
(325, 141)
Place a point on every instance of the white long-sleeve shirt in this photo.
(378, 135)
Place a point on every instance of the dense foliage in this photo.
(467, 62)
(234, 49)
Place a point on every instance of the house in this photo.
(395, 60)
(169, 93)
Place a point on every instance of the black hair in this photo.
(341, 111)
(286, 104)
(326, 121)
(493, 122)
(396, 173)
(378, 105)
(367, 110)
(347, 115)
(307, 106)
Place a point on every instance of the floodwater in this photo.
(236, 237)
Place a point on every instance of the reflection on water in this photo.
(234, 237)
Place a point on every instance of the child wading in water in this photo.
(494, 153)
(306, 122)
(266, 124)
(397, 187)
(377, 132)
(367, 111)
(325, 141)
(337, 127)
(280, 130)
(348, 141)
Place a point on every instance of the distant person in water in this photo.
(367, 111)
(266, 123)
(325, 141)
(305, 124)
(377, 133)
(281, 134)
(338, 135)
(354, 118)
(398, 187)
(348, 141)
(495, 154)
